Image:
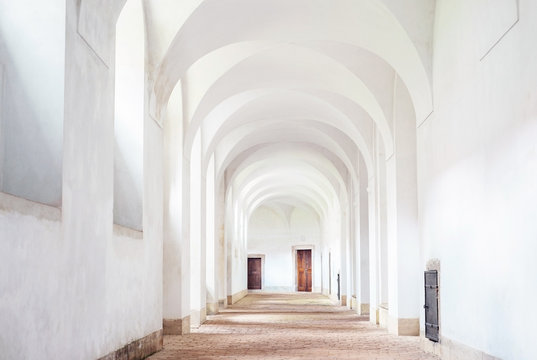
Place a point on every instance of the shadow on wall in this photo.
(128, 196)
(31, 134)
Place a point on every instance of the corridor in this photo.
(159, 159)
(289, 326)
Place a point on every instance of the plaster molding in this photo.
(96, 30)
(498, 26)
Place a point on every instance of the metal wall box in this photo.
(431, 306)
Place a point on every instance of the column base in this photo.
(232, 299)
(343, 300)
(198, 317)
(383, 316)
(374, 316)
(138, 349)
(362, 309)
(176, 326)
(212, 308)
(203, 315)
(404, 327)
(354, 304)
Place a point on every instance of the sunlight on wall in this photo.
(129, 116)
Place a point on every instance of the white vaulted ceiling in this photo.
(288, 96)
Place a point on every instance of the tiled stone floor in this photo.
(290, 326)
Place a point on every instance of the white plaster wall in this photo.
(31, 290)
(133, 293)
(32, 53)
(72, 286)
(274, 234)
(35, 282)
(478, 177)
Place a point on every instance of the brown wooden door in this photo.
(303, 270)
(254, 273)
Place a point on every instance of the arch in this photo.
(359, 24)
(289, 131)
(300, 153)
(271, 71)
(281, 105)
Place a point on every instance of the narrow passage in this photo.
(290, 326)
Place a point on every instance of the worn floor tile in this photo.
(290, 326)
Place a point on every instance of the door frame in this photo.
(295, 275)
(257, 256)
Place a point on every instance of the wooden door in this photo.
(254, 273)
(303, 270)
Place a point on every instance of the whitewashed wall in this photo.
(32, 293)
(72, 286)
(37, 300)
(478, 175)
(273, 234)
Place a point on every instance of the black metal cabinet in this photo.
(431, 305)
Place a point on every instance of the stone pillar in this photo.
(221, 248)
(212, 239)
(361, 240)
(197, 235)
(176, 250)
(363, 289)
(378, 237)
(229, 235)
(404, 271)
(344, 256)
